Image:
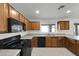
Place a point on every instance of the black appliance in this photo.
(41, 41)
(13, 43)
(15, 25)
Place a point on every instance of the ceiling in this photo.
(47, 10)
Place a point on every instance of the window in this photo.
(48, 28)
(77, 29)
(44, 28)
(53, 28)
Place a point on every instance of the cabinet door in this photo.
(60, 42)
(34, 42)
(63, 25)
(54, 41)
(30, 25)
(48, 42)
(26, 24)
(35, 25)
(66, 25)
(71, 45)
(3, 17)
(22, 18)
(77, 47)
(65, 42)
(13, 13)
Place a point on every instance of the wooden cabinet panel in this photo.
(30, 25)
(3, 17)
(63, 25)
(65, 42)
(26, 24)
(60, 42)
(71, 45)
(48, 42)
(35, 25)
(77, 47)
(54, 41)
(66, 23)
(34, 42)
(13, 13)
(22, 18)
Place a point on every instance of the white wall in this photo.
(54, 21)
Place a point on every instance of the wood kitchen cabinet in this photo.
(60, 41)
(54, 41)
(77, 47)
(51, 41)
(28, 24)
(13, 13)
(7, 11)
(71, 45)
(22, 18)
(63, 25)
(34, 42)
(3, 17)
(35, 25)
(48, 42)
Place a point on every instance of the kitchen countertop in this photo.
(30, 36)
(9, 52)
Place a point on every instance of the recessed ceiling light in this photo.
(68, 11)
(37, 11)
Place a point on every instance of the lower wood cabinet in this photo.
(60, 42)
(48, 42)
(54, 41)
(34, 42)
(77, 47)
(71, 44)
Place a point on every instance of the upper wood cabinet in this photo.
(22, 18)
(63, 25)
(30, 25)
(35, 25)
(3, 17)
(13, 13)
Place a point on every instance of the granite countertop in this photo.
(9, 52)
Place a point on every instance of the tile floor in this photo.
(51, 52)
